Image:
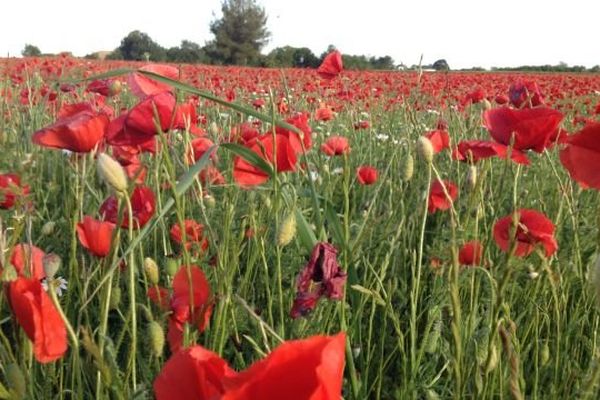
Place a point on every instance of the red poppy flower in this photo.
(143, 86)
(258, 103)
(470, 253)
(320, 277)
(246, 174)
(335, 146)
(323, 113)
(331, 66)
(95, 235)
(533, 228)
(197, 149)
(581, 156)
(211, 176)
(439, 140)
(525, 94)
(312, 368)
(28, 261)
(437, 197)
(300, 121)
(475, 150)
(194, 235)
(38, 317)
(243, 133)
(366, 175)
(79, 129)
(142, 204)
(362, 124)
(10, 190)
(530, 128)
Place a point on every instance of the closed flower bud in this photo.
(493, 360)
(486, 104)
(425, 149)
(157, 338)
(115, 88)
(16, 380)
(172, 266)
(545, 354)
(112, 172)
(115, 298)
(151, 270)
(51, 263)
(214, 128)
(472, 177)
(209, 201)
(409, 168)
(287, 230)
(48, 228)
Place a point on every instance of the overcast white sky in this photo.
(464, 32)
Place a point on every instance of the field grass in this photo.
(418, 324)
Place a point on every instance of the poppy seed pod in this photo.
(48, 228)
(287, 230)
(151, 270)
(112, 172)
(425, 149)
(209, 201)
(157, 338)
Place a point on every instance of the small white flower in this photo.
(382, 136)
(337, 171)
(59, 284)
(314, 176)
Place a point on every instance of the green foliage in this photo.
(240, 33)
(31, 51)
(188, 52)
(441, 65)
(138, 46)
(288, 56)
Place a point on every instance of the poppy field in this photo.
(202, 232)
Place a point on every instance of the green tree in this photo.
(385, 62)
(288, 56)
(240, 33)
(441, 65)
(31, 51)
(138, 46)
(188, 52)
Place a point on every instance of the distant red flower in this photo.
(525, 94)
(143, 86)
(335, 146)
(194, 235)
(439, 139)
(323, 113)
(142, 204)
(581, 156)
(311, 368)
(470, 253)
(28, 261)
(362, 124)
(530, 128)
(95, 235)
(533, 228)
(79, 131)
(320, 277)
(10, 190)
(331, 66)
(38, 317)
(366, 175)
(437, 197)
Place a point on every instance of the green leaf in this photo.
(251, 157)
(305, 232)
(334, 225)
(374, 295)
(104, 75)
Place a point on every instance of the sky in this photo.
(466, 33)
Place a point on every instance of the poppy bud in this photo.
(112, 172)
(115, 298)
(172, 266)
(472, 177)
(486, 104)
(209, 200)
(545, 354)
(425, 149)
(16, 380)
(151, 270)
(51, 263)
(114, 88)
(157, 338)
(9, 274)
(287, 230)
(214, 128)
(48, 228)
(493, 363)
(431, 394)
(409, 168)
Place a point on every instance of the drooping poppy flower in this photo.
(38, 317)
(581, 156)
(533, 228)
(104, 87)
(194, 235)
(320, 277)
(143, 86)
(11, 190)
(246, 174)
(470, 253)
(80, 129)
(335, 146)
(142, 204)
(438, 200)
(331, 66)
(525, 94)
(300, 121)
(366, 175)
(439, 139)
(530, 128)
(311, 368)
(28, 261)
(475, 150)
(95, 235)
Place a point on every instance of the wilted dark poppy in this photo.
(366, 175)
(11, 190)
(470, 253)
(321, 276)
(532, 228)
(525, 94)
(38, 317)
(142, 204)
(95, 235)
(331, 66)
(581, 156)
(438, 200)
(335, 146)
